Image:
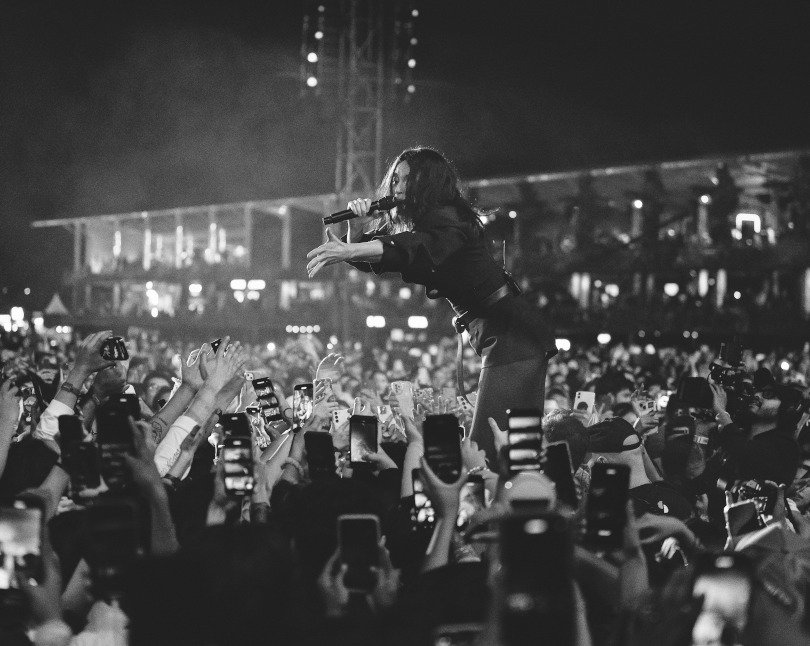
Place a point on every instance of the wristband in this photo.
(294, 463)
(70, 388)
(476, 469)
(174, 480)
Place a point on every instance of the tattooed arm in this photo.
(191, 382)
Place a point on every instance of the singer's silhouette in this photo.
(435, 238)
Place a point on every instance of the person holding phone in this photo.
(434, 237)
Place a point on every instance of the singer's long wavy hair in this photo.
(432, 184)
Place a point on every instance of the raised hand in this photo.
(443, 496)
(9, 408)
(332, 588)
(88, 355)
(226, 363)
(330, 252)
(386, 588)
(471, 456)
(190, 374)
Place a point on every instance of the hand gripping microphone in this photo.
(383, 204)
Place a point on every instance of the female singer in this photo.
(434, 237)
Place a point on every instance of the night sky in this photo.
(109, 107)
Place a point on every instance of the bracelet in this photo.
(70, 388)
(476, 469)
(294, 463)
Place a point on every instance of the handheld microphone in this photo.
(383, 204)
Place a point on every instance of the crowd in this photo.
(707, 542)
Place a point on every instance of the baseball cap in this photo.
(613, 435)
(681, 425)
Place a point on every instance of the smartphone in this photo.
(646, 406)
(424, 396)
(341, 417)
(404, 393)
(606, 512)
(443, 446)
(115, 438)
(114, 348)
(525, 435)
(536, 555)
(20, 543)
(320, 455)
(302, 405)
(558, 468)
(472, 498)
(115, 540)
(235, 425)
(359, 540)
(725, 582)
(362, 437)
(237, 456)
(742, 518)
(268, 400)
(80, 459)
(423, 516)
(584, 402)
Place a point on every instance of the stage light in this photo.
(238, 283)
(737, 295)
(253, 295)
(785, 366)
(563, 345)
(288, 329)
(239, 296)
(256, 284)
(312, 57)
(312, 81)
(649, 348)
(417, 322)
(705, 199)
(316, 328)
(612, 290)
(603, 338)
(405, 293)
(271, 347)
(411, 88)
(415, 13)
(686, 334)
(694, 335)
(411, 63)
(195, 289)
(27, 291)
(513, 214)
(295, 329)
(318, 35)
(671, 289)
(375, 321)
(637, 204)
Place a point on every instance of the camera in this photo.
(730, 374)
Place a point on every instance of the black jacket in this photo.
(443, 253)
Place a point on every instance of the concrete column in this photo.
(147, 243)
(720, 287)
(248, 227)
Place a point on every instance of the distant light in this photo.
(411, 88)
(405, 293)
(637, 204)
(603, 338)
(414, 352)
(563, 345)
(307, 329)
(737, 295)
(484, 218)
(17, 314)
(253, 295)
(271, 347)
(5, 323)
(195, 289)
(753, 218)
(152, 296)
(649, 348)
(149, 285)
(318, 35)
(239, 296)
(256, 284)
(597, 283)
(671, 233)
(612, 290)
(154, 312)
(433, 350)
(705, 199)
(238, 283)
(417, 322)
(642, 334)
(686, 334)
(288, 329)
(27, 291)
(239, 251)
(397, 335)
(513, 214)
(411, 63)
(785, 365)
(321, 8)
(415, 13)
(414, 41)
(671, 289)
(283, 209)
(329, 346)
(38, 322)
(375, 321)
(316, 328)
(312, 81)
(333, 340)
(295, 329)
(312, 57)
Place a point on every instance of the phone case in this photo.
(584, 402)
(404, 393)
